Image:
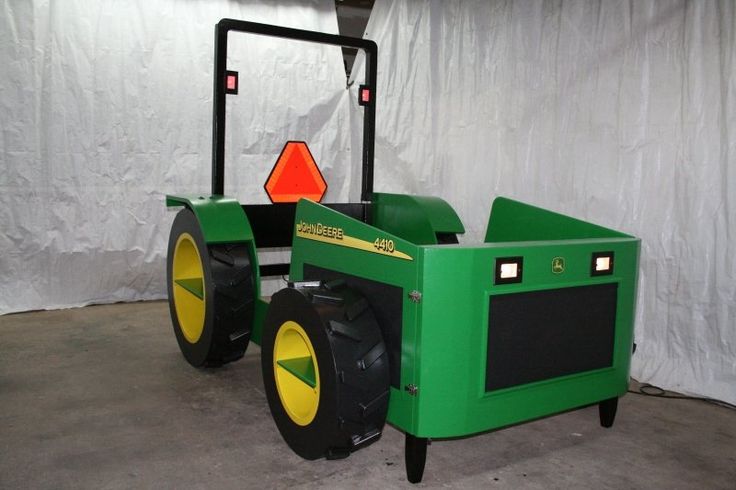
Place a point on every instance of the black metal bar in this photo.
(369, 125)
(218, 113)
(607, 412)
(270, 270)
(415, 456)
(218, 127)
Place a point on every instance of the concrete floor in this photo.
(100, 397)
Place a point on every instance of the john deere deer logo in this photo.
(558, 265)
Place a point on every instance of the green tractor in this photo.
(386, 317)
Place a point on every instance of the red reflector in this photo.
(364, 95)
(295, 175)
(231, 83)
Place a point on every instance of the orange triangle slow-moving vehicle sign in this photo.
(295, 175)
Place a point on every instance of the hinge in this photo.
(415, 296)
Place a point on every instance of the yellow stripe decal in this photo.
(336, 236)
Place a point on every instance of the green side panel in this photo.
(375, 263)
(222, 218)
(415, 218)
(513, 221)
(194, 286)
(302, 368)
(457, 284)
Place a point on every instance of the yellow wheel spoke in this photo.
(302, 368)
(194, 285)
(296, 372)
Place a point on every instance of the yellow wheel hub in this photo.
(189, 295)
(296, 372)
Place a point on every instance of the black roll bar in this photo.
(218, 124)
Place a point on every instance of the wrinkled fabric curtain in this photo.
(106, 107)
(620, 113)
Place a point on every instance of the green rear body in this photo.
(445, 334)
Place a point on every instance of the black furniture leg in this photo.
(607, 411)
(415, 455)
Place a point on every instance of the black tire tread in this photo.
(339, 328)
(363, 382)
(232, 275)
(372, 356)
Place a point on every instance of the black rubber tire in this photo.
(229, 297)
(353, 370)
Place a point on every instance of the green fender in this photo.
(417, 219)
(221, 218)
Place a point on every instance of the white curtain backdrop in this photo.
(106, 106)
(621, 113)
